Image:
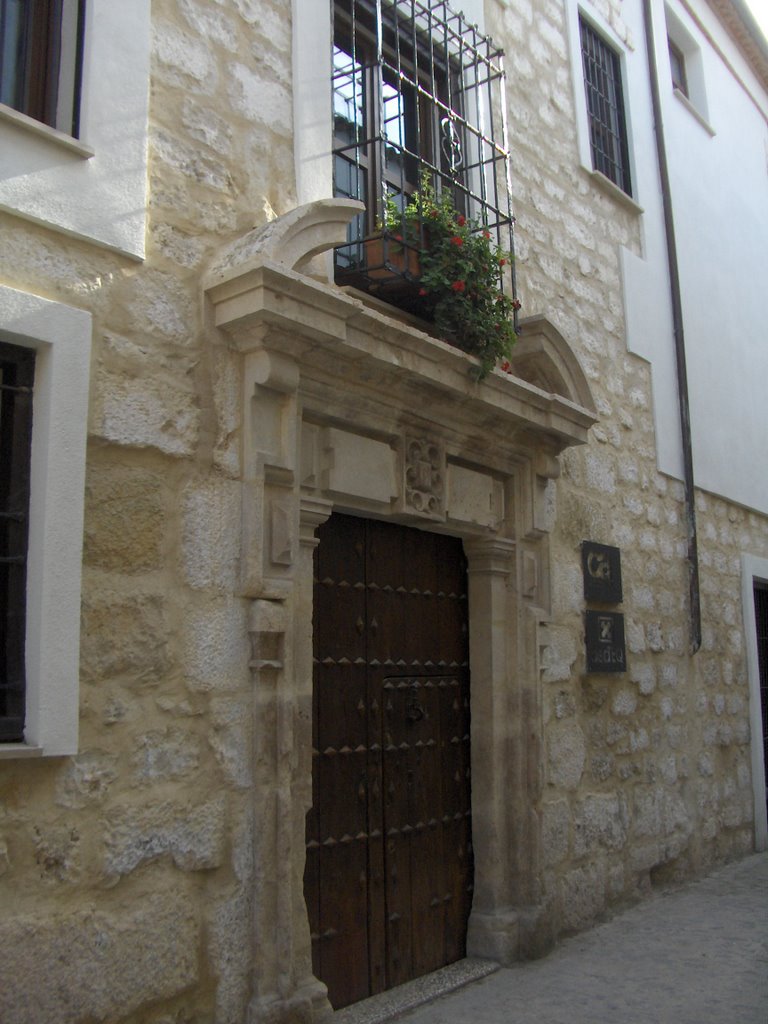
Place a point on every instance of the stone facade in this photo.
(155, 877)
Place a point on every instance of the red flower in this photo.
(486, 234)
(506, 366)
(423, 291)
(502, 261)
(457, 241)
(458, 286)
(461, 220)
(516, 304)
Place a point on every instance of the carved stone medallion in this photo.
(424, 468)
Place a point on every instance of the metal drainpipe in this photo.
(677, 322)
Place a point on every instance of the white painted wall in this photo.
(94, 188)
(720, 192)
(718, 157)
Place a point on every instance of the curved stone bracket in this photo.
(290, 241)
(544, 358)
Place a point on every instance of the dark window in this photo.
(761, 625)
(677, 66)
(605, 108)
(416, 90)
(17, 371)
(40, 58)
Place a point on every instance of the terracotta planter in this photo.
(393, 269)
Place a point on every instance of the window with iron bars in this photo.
(40, 59)
(418, 94)
(17, 371)
(605, 108)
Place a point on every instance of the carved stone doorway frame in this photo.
(343, 406)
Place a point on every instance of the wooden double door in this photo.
(388, 879)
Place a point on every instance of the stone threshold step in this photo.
(386, 1006)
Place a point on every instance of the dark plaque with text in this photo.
(606, 651)
(601, 566)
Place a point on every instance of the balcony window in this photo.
(418, 96)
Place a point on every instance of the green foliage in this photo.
(461, 274)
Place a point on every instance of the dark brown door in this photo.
(389, 858)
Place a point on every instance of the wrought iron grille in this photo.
(17, 370)
(605, 108)
(416, 91)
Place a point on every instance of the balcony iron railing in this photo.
(418, 95)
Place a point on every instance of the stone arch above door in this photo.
(341, 406)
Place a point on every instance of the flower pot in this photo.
(392, 268)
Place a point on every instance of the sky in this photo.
(760, 10)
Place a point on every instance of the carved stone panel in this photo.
(357, 467)
(424, 478)
(474, 498)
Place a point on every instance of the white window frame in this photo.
(61, 337)
(755, 570)
(696, 98)
(94, 187)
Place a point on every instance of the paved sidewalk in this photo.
(695, 955)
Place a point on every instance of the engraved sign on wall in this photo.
(601, 567)
(606, 651)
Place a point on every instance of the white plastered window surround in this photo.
(696, 99)
(93, 187)
(61, 337)
(755, 570)
(629, 61)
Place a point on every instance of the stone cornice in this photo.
(337, 339)
(741, 25)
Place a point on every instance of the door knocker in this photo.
(414, 711)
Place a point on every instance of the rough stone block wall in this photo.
(126, 872)
(647, 774)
